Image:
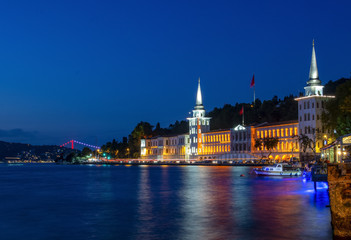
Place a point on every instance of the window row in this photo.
(306, 105)
(201, 122)
(283, 132)
(242, 136)
(283, 146)
(216, 138)
(241, 147)
(216, 149)
(308, 118)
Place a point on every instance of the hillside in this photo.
(30, 152)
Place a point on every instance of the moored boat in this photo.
(278, 169)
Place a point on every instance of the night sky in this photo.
(91, 70)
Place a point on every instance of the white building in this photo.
(198, 124)
(311, 107)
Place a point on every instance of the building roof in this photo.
(166, 136)
(199, 104)
(313, 96)
(218, 130)
(276, 123)
(314, 77)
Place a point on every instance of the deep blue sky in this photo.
(94, 69)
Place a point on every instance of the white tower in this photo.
(198, 124)
(314, 86)
(311, 107)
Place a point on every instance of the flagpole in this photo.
(253, 85)
(243, 115)
(254, 97)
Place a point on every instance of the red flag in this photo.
(242, 110)
(253, 81)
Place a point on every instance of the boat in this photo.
(278, 169)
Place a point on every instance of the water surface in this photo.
(157, 202)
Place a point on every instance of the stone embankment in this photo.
(339, 179)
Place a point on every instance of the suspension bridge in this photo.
(71, 143)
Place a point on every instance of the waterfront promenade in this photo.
(177, 162)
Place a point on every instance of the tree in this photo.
(142, 130)
(305, 142)
(337, 116)
(270, 144)
(266, 143)
(258, 145)
(308, 143)
(71, 157)
(86, 152)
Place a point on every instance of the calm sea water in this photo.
(120, 202)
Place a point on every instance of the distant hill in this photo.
(22, 150)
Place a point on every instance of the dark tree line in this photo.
(338, 114)
(274, 110)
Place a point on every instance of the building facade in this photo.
(166, 147)
(310, 108)
(238, 143)
(198, 125)
(287, 135)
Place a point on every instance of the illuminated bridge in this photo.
(72, 142)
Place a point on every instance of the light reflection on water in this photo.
(158, 202)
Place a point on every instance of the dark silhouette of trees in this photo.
(337, 116)
(268, 144)
(86, 152)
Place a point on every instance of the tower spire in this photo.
(314, 86)
(199, 96)
(313, 77)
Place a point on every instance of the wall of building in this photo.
(166, 148)
(310, 119)
(287, 134)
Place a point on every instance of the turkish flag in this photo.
(253, 81)
(242, 110)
